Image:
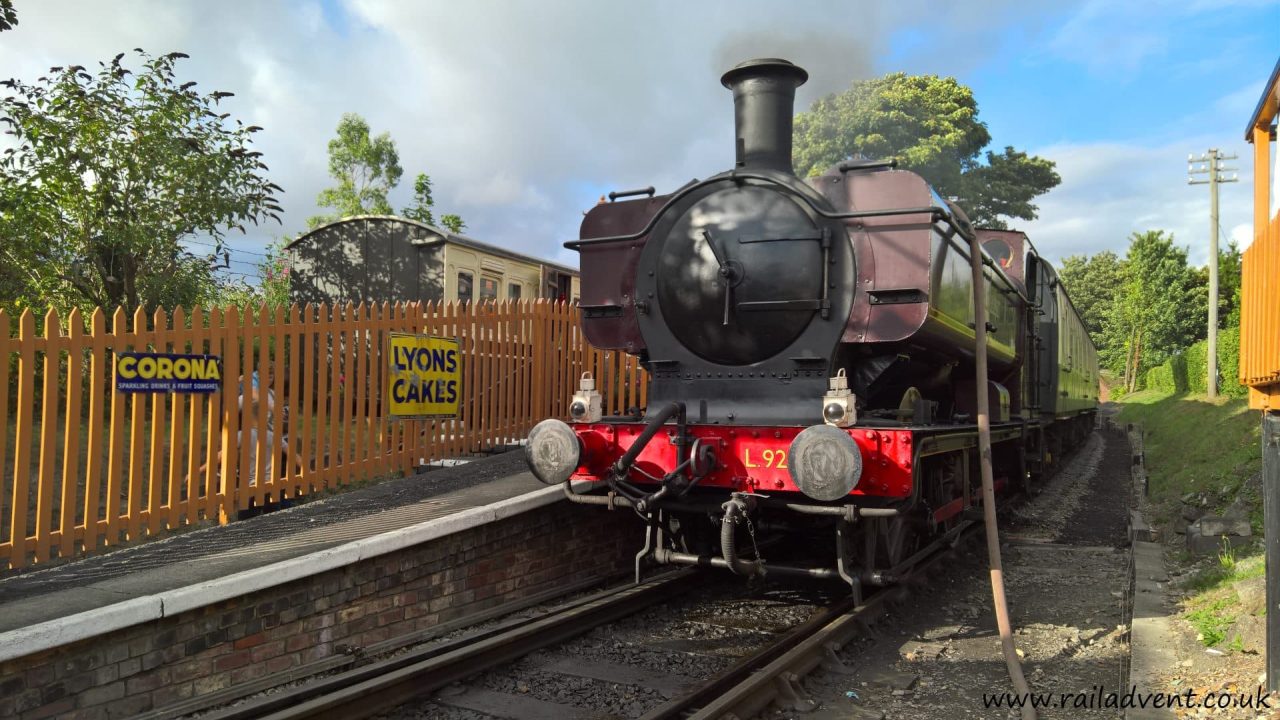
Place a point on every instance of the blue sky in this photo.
(525, 112)
(1127, 76)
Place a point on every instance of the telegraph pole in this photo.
(1208, 164)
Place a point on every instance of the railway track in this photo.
(765, 665)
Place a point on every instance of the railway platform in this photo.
(155, 625)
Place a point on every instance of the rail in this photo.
(375, 688)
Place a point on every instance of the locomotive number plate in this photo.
(775, 459)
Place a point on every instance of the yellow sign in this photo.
(426, 377)
(167, 373)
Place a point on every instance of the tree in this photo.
(1230, 266)
(108, 173)
(1092, 283)
(272, 289)
(1157, 309)
(453, 222)
(8, 16)
(930, 124)
(421, 209)
(366, 170)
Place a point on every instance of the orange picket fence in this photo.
(85, 466)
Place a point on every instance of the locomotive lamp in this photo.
(838, 407)
(586, 404)
(553, 451)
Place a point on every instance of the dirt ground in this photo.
(1237, 671)
(1066, 559)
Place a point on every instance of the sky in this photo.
(524, 113)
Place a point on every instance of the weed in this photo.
(1227, 556)
(1211, 620)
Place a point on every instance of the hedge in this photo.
(1189, 370)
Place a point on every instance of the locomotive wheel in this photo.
(898, 541)
(889, 541)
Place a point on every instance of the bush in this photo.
(1161, 378)
(1229, 363)
(1196, 358)
(1189, 369)
(1169, 376)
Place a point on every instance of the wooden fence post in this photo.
(45, 494)
(6, 341)
(227, 477)
(71, 437)
(22, 439)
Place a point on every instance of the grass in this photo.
(1214, 605)
(1211, 619)
(1200, 446)
(1207, 449)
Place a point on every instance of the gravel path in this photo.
(1066, 566)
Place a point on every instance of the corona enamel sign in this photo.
(166, 373)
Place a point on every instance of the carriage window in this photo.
(513, 291)
(488, 289)
(464, 287)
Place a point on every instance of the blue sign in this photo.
(167, 373)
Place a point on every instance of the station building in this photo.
(386, 258)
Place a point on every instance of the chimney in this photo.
(764, 94)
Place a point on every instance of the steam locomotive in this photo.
(810, 346)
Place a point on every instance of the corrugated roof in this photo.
(444, 234)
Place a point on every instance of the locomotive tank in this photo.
(757, 277)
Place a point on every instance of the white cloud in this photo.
(522, 115)
(1110, 190)
(518, 111)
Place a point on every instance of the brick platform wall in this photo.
(203, 651)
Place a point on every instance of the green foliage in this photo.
(930, 124)
(1167, 377)
(8, 16)
(1155, 313)
(1149, 307)
(366, 168)
(1212, 620)
(1188, 371)
(1092, 282)
(273, 287)
(1194, 445)
(107, 173)
(1230, 264)
(1195, 363)
(421, 211)
(453, 222)
(1005, 186)
(1229, 360)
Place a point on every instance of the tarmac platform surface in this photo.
(41, 595)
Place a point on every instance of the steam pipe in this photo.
(666, 413)
(670, 557)
(733, 510)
